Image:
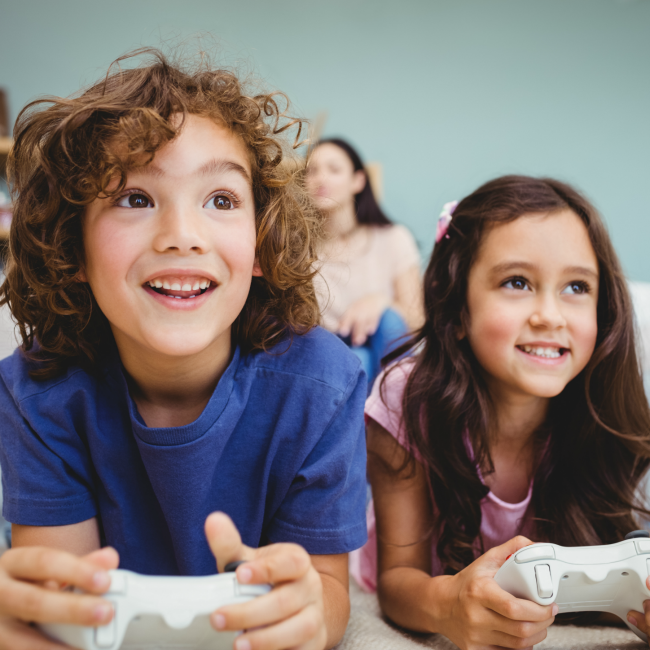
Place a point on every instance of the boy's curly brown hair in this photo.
(67, 154)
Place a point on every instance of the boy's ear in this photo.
(81, 276)
(257, 269)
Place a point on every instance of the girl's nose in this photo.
(547, 313)
(180, 229)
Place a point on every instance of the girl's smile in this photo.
(532, 296)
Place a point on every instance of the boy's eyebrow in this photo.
(213, 166)
(510, 266)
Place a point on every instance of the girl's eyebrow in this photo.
(214, 166)
(505, 267)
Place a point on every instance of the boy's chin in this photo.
(182, 345)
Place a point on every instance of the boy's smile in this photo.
(170, 260)
(532, 296)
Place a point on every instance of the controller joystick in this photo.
(636, 534)
(159, 612)
(609, 578)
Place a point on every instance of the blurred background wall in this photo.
(445, 94)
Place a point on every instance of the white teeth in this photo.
(196, 286)
(203, 284)
(158, 284)
(165, 285)
(176, 286)
(186, 287)
(548, 353)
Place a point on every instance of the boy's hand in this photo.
(30, 582)
(481, 614)
(292, 614)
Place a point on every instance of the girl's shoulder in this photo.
(384, 405)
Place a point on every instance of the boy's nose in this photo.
(180, 229)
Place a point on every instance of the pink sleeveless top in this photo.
(500, 520)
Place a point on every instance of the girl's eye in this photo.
(517, 283)
(134, 200)
(220, 202)
(576, 288)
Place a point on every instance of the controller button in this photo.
(118, 583)
(106, 634)
(637, 533)
(544, 582)
(541, 552)
(647, 562)
(642, 546)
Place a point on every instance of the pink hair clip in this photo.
(445, 219)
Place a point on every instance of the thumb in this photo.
(225, 541)
(105, 558)
(496, 556)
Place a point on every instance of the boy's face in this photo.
(170, 260)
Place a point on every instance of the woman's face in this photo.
(331, 179)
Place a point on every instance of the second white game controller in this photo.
(158, 612)
(583, 578)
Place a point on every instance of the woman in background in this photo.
(369, 282)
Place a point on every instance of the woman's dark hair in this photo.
(365, 203)
(593, 448)
(68, 151)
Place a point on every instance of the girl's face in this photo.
(170, 260)
(331, 179)
(532, 296)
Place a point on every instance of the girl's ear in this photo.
(360, 180)
(257, 269)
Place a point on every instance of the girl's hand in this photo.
(292, 614)
(482, 615)
(362, 318)
(30, 581)
(639, 620)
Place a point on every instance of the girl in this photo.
(523, 414)
(160, 275)
(369, 281)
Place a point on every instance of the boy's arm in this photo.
(78, 539)
(333, 570)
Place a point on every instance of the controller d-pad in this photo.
(544, 582)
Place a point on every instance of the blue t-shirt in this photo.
(280, 447)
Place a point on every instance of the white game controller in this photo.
(583, 578)
(158, 612)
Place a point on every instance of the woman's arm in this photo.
(407, 288)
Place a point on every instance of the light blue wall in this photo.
(445, 93)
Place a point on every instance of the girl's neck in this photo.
(172, 391)
(341, 221)
(517, 419)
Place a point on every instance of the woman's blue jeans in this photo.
(389, 335)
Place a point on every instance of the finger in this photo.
(275, 564)
(520, 629)
(359, 332)
(503, 640)
(225, 541)
(29, 602)
(307, 625)
(15, 635)
(496, 556)
(345, 324)
(515, 609)
(284, 601)
(106, 558)
(638, 620)
(39, 564)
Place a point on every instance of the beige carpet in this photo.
(367, 630)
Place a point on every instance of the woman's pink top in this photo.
(500, 521)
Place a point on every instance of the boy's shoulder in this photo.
(318, 355)
(14, 374)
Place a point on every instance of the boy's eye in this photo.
(517, 283)
(576, 288)
(134, 200)
(220, 202)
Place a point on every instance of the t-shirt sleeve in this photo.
(384, 405)
(46, 470)
(403, 249)
(324, 511)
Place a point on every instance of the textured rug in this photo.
(368, 630)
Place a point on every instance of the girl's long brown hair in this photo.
(67, 152)
(598, 428)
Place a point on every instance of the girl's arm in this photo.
(469, 608)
